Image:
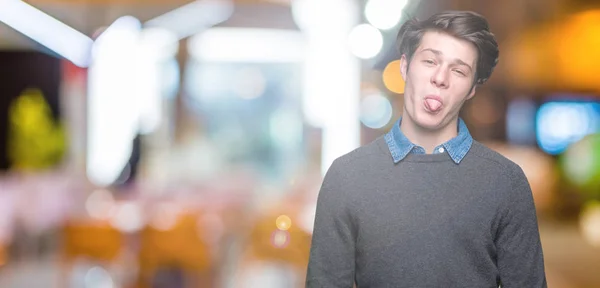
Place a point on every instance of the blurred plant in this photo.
(35, 141)
(581, 165)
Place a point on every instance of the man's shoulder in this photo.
(493, 159)
(372, 151)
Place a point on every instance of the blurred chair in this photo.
(291, 246)
(277, 251)
(3, 255)
(175, 252)
(94, 241)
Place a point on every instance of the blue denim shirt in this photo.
(456, 147)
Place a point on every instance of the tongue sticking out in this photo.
(433, 105)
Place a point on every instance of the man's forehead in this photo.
(448, 46)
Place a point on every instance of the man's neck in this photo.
(428, 139)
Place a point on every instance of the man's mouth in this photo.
(433, 103)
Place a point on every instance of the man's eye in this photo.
(460, 73)
(429, 62)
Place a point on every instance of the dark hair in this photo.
(465, 25)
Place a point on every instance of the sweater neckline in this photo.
(440, 157)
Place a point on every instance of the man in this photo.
(425, 205)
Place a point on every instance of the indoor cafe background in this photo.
(150, 143)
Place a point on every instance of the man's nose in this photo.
(440, 78)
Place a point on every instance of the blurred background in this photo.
(149, 143)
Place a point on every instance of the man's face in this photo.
(439, 80)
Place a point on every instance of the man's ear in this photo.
(403, 66)
(472, 93)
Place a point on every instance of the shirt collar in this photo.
(456, 147)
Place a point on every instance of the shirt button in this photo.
(441, 150)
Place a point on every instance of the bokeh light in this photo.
(128, 217)
(98, 277)
(375, 111)
(577, 69)
(283, 222)
(165, 216)
(365, 41)
(384, 14)
(560, 124)
(590, 223)
(100, 204)
(581, 164)
(280, 239)
(392, 78)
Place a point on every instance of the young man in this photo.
(426, 205)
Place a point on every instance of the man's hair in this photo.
(465, 25)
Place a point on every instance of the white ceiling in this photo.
(89, 18)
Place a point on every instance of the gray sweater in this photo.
(425, 222)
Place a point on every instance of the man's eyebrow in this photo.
(462, 63)
(456, 61)
(436, 52)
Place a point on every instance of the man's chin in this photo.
(430, 122)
